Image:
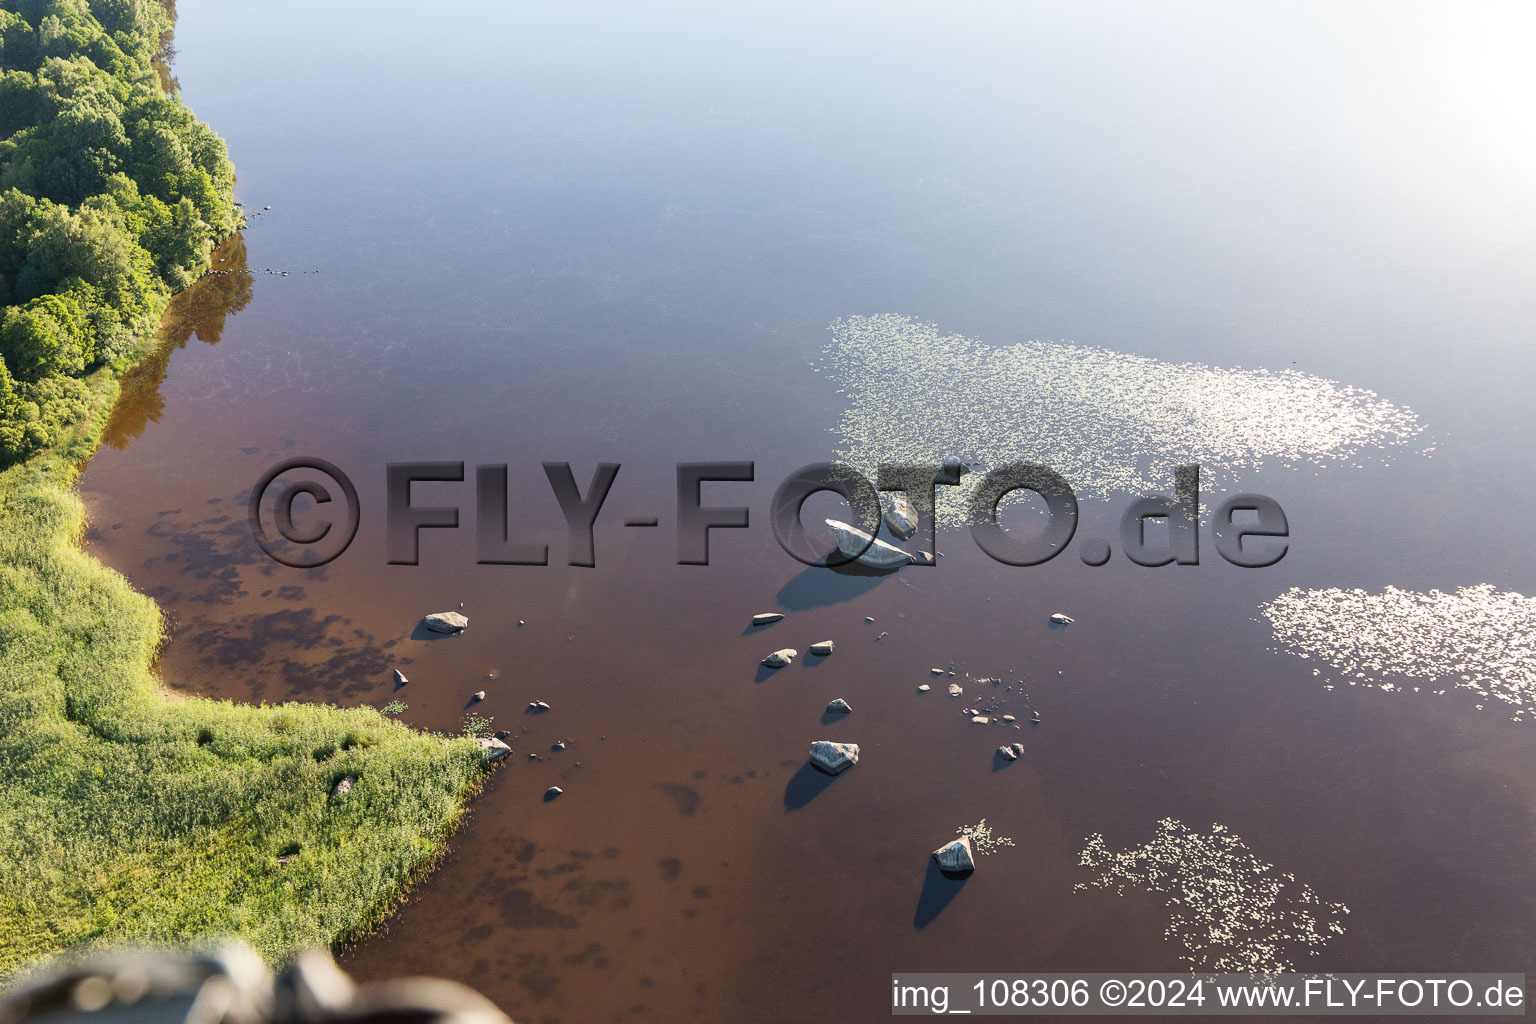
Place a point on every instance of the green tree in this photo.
(48, 336)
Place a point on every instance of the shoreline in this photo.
(45, 484)
(131, 813)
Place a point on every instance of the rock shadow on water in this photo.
(820, 586)
(764, 673)
(805, 785)
(421, 632)
(939, 890)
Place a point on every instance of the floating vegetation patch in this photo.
(478, 726)
(1110, 422)
(1231, 911)
(1477, 639)
(983, 839)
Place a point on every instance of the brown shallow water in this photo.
(624, 242)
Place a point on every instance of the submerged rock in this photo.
(780, 658)
(445, 622)
(822, 648)
(834, 758)
(766, 618)
(838, 707)
(956, 858)
(861, 547)
(494, 750)
(901, 518)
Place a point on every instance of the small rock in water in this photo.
(266, 207)
(1008, 718)
(495, 750)
(502, 734)
(1007, 753)
(832, 757)
(521, 623)
(557, 746)
(980, 720)
(1034, 716)
(951, 471)
(344, 786)
(937, 671)
(445, 622)
(1017, 748)
(551, 793)
(780, 658)
(478, 696)
(1058, 619)
(765, 618)
(822, 648)
(956, 858)
(924, 688)
(400, 679)
(536, 706)
(869, 618)
(923, 558)
(838, 707)
(955, 690)
(901, 518)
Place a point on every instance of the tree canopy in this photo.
(111, 193)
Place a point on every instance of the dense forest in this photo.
(111, 193)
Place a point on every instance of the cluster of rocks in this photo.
(271, 271)
(786, 655)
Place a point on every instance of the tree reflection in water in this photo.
(199, 311)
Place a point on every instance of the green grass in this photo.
(130, 814)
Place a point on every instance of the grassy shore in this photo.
(131, 814)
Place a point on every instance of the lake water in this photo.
(624, 234)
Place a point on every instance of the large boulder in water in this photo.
(834, 758)
(494, 749)
(951, 471)
(445, 622)
(853, 543)
(780, 658)
(956, 858)
(901, 518)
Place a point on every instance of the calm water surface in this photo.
(620, 235)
